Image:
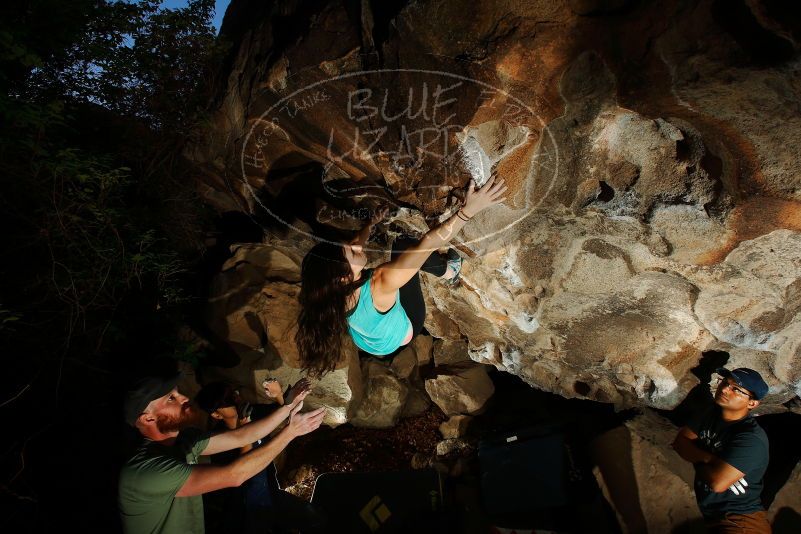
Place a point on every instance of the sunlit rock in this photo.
(384, 397)
(653, 207)
(462, 390)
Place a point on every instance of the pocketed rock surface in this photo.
(649, 147)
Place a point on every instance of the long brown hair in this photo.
(326, 283)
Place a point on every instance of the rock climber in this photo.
(382, 308)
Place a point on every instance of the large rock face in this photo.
(649, 147)
(253, 307)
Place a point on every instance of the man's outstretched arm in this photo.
(247, 434)
(685, 446)
(206, 478)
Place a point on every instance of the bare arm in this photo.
(390, 276)
(232, 421)
(247, 434)
(240, 423)
(686, 448)
(718, 474)
(206, 478)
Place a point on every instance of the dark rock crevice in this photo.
(763, 46)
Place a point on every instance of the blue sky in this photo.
(219, 9)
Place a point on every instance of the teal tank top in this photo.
(375, 332)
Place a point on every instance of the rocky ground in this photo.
(348, 449)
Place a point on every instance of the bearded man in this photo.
(161, 486)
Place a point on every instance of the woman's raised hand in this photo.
(491, 193)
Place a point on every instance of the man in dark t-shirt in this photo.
(730, 453)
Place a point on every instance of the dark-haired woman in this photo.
(382, 309)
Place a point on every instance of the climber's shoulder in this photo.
(378, 278)
(388, 277)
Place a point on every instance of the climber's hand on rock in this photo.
(491, 193)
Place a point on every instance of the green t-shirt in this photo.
(149, 482)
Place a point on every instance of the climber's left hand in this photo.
(490, 194)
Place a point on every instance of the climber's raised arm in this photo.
(390, 276)
(383, 309)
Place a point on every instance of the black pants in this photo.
(411, 294)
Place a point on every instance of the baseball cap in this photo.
(145, 391)
(747, 378)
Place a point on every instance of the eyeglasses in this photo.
(728, 383)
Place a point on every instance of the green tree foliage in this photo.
(100, 220)
(133, 58)
(98, 99)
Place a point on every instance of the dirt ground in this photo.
(350, 449)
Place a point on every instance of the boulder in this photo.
(253, 307)
(448, 351)
(244, 376)
(461, 391)
(783, 512)
(266, 261)
(449, 447)
(455, 426)
(757, 307)
(384, 397)
(653, 203)
(404, 364)
(253, 301)
(417, 402)
(635, 459)
(423, 347)
(235, 308)
(339, 391)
